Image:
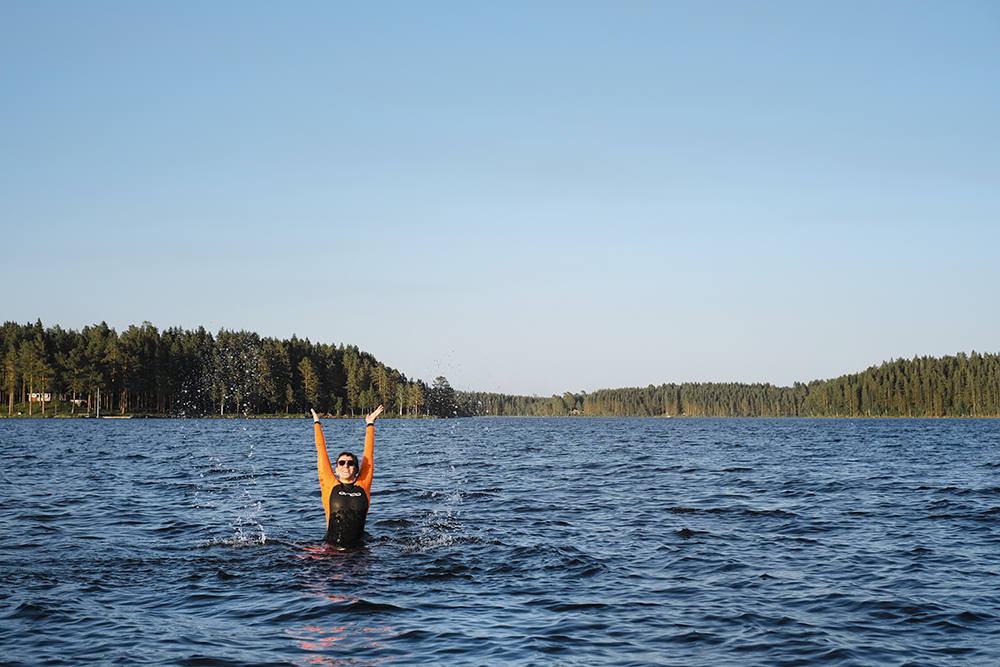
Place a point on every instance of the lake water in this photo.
(504, 542)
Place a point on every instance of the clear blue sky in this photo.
(525, 197)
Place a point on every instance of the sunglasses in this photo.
(347, 463)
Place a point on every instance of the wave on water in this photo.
(505, 542)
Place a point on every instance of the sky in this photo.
(524, 197)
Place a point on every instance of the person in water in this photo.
(346, 487)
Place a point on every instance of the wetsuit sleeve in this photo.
(367, 463)
(327, 480)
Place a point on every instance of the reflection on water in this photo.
(337, 645)
(504, 541)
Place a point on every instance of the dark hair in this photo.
(357, 463)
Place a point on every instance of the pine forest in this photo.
(50, 371)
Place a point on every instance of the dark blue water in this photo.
(504, 542)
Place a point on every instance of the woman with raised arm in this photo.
(347, 487)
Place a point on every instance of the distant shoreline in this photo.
(426, 417)
(232, 374)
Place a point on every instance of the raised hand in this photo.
(374, 415)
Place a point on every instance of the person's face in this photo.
(346, 469)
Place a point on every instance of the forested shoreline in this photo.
(952, 386)
(193, 373)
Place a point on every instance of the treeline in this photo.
(195, 373)
(958, 386)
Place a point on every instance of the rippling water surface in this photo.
(504, 542)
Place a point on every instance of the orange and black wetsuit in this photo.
(346, 505)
